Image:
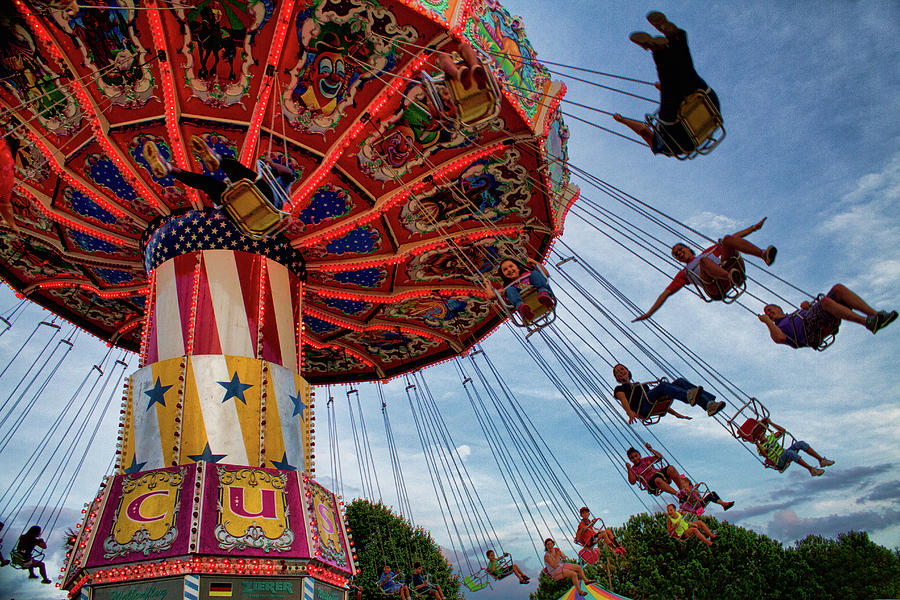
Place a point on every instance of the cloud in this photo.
(734, 516)
(834, 479)
(464, 451)
(866, 224)
(889, 490)
(712, 224)
(786, 525)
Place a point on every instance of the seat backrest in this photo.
(589, 555)
(699, 116)
(660, 407)
(477, 581)
(250, 210)
(750, 430)
(475, 105)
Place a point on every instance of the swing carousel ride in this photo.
(428, 149)
(409, 185)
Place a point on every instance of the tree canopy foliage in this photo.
(382, 537)
(742, 564)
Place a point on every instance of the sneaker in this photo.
(159, 167)
(692, 394)
(647, 41)
(881, 320)
(524, 581)
(816, 472)
(659, 20)
(525, 312)
(209, 158)
(46, 581)
(769, 255)
(826, 462)
(546, 299)
(727, 505)
(714, 407)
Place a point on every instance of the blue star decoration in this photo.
(135, 465)
(157, 394)
(234, 388)
(283, 464)
(207, 456)
(299, 406)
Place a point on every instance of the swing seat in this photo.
(642, 483)
(474, 106)
(753, 412)
(770, 465)
(693, 501)
(590, 556)
(826, 336)
(477, 581)
(750, 430)
(699, 120)
(659, 408)
(250, 210)
(398, 577)
(727, 294)
(21, 560)
(658, 411)
(543, 316)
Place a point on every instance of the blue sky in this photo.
(809, 97)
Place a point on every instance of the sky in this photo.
(810, 102)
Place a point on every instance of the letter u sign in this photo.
(238, 503)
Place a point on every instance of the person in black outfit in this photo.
(212, 187)
(677, 80)
(22, 556)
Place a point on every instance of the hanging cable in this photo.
(431, 474)
(337, 475)
(367, 447)
(396, 469)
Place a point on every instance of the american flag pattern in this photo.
(224, 302)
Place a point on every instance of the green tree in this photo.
(851, 566)
(382, 537)
(741, 564)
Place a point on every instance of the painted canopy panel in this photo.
(396, 212)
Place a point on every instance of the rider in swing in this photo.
(716, 269)
(212, 161)
(677, 80)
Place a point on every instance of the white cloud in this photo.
(712, 224)
(865, 228)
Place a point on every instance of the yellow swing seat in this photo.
(701, 122)
(475, 105)
(250, 210)
(543, 316)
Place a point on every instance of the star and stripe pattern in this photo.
(224, 302)
(218, 409)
